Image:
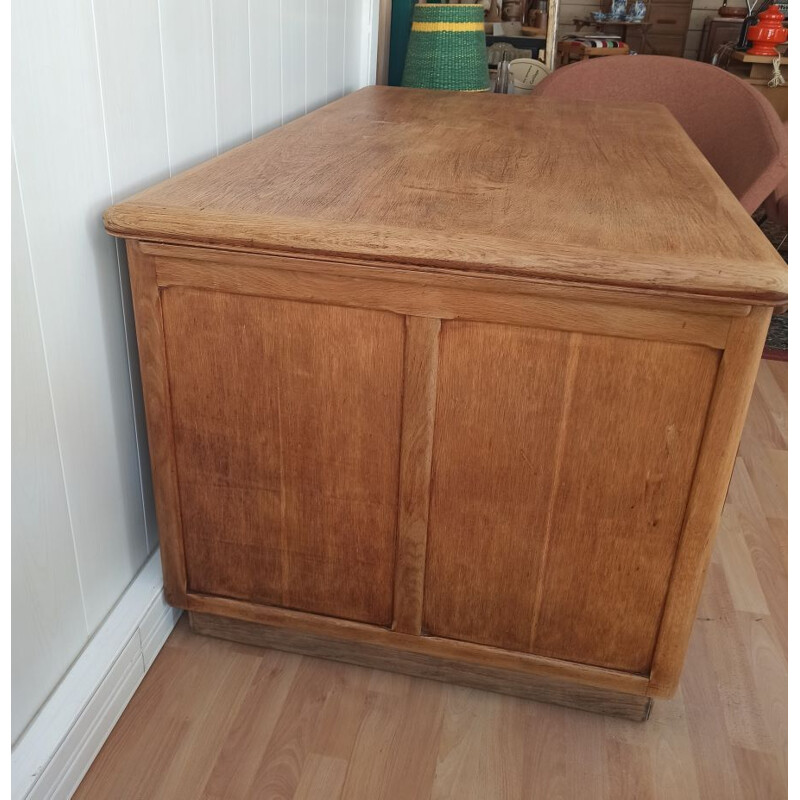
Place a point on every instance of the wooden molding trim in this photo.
(491, 678)
(158, 411)
(471, 251)
(421, 274)
(51, 757)
(449, 302)
(726, 417)
(478, 655)
(416, 448)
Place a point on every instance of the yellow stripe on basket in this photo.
(452, 27)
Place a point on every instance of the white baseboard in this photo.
(55, 752)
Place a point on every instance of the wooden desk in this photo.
(413, 403)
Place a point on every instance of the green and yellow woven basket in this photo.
(447, 48)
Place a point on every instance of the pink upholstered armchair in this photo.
(733, 125)
(776, 205)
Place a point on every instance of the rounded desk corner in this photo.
(111, 221)
(175, 597)
(664, 685)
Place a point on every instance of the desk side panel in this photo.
(286, 421)
(562, 465)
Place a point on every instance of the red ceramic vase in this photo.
(767, 32)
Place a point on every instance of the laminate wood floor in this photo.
(223, 721)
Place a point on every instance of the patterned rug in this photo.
(777, 344)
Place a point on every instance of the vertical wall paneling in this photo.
(293, 58)
(232, 72)
(186, 48)
(132, 82)
(356, 42)
(316, 53)
(59, 131)
(49, 626)
(265, 64)
(337, 13)
(108, 97)
(128, 33)
(375, 15)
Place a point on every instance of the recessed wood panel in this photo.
(500, 398)
(561, 469)
(287, 424)
(634, 424)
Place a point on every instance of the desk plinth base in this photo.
(493, 679)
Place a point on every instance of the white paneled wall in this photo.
(109, 96)
(231, 38)
(59, 135)
(316, 66)
(45, 586)
(187, 51)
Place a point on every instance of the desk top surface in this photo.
(611, 194)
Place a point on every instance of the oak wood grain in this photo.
(706, 743)
(420, 275)
(414, 177)
(358, 634)
(440, 300)
(726, 418)
(499, 412)
(287, 429)
(410, 393)
(634, 426)
(587, 449)
(419, 408)
(158, 410)
(496, 679)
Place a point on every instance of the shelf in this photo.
(739, 55)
